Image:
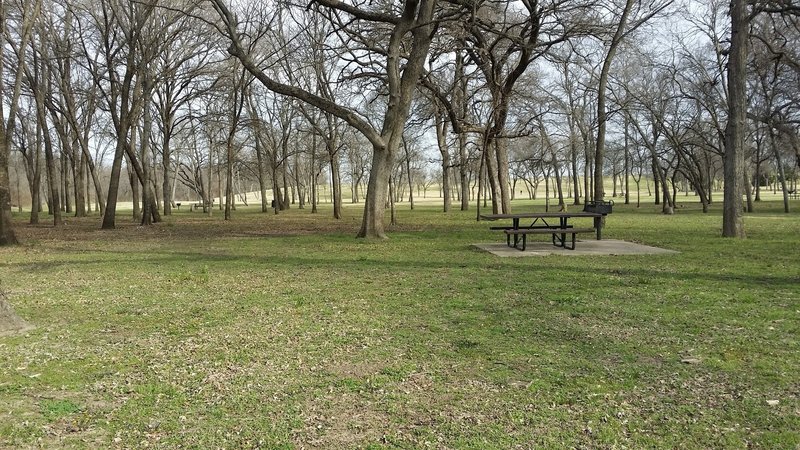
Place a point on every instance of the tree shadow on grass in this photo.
(606, 276)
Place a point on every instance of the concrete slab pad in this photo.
(587, 247)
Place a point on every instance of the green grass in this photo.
(286, 332)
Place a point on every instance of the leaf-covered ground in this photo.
(287, 332)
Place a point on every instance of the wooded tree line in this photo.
(283, 97)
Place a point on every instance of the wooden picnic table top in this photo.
(543, 215)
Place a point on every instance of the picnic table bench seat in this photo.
(555, 232)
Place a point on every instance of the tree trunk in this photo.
(546, 191)
(463, 171)
(229, 177)
(262, 176)
(148, 200)
(136, 195)
(667, 206)
(781, 171)
(602, 114)
(574, 165)
(408, 175)
(480, 180)
(277, 195)
(627, 165)
(392, 210)
(562, 206)
(732, 215)
(372, 221)
(220, 194)
(34, 171)
(748, 190)
(65, 177)
(122, 131)
(441, 140)
(208, 200)
(656, 180)
(490, 160)
(587, 164)
(50, 164)
(79, 169)
(503, 173)
(166, 165)
(7, 235)
(336, 185)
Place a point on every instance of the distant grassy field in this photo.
(287, 332)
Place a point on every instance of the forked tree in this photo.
(409, 29)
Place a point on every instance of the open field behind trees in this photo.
(286, 332)
(433, 196)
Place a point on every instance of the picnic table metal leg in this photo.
(516, 236)
(598, 225)
(573, 243)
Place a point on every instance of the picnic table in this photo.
(545, 223)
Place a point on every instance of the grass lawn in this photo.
(287, 332)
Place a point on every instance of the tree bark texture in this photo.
(732, 214)
(7, 235)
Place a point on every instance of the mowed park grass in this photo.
(284, 331)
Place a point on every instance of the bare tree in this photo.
(410, 31)
(631, 16)
(17, 40)
(39, 80)
(114, 62)
(503, 39)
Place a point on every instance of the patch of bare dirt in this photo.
(355, 369)
(344, 420)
